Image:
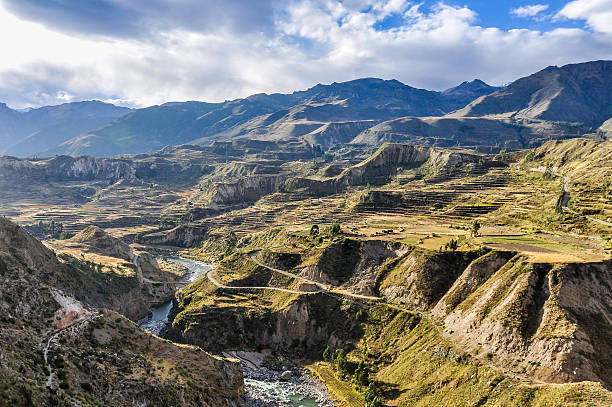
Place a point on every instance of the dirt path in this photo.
(210, 275)
(322, 287)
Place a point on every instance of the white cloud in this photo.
(597, 13)
(529, 11)
(310, 41)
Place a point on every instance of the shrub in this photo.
(334, 229)
(326, 353)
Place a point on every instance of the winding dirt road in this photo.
(321, 286)
(210, 275)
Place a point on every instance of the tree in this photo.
(326, 353)
(452, 245)
(334, 229)
(362, 374)
(340, 360)
(475, 227)
(372, 397)
(314, 230)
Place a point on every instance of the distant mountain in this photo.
(554, 103)
(466, 92)
(33, 131)
(351, 106)
(9, 125)
(572, 93)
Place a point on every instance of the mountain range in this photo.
(29, 132)
(556, 102)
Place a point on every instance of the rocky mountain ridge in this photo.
(269, 117)
(34, 131)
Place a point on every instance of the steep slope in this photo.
(571, 93)
(10, 124)
(487, 326)
(55, 350)
(37, 130)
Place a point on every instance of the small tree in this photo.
(314, 230)
(475, 227)
(452, 245)
(326, 353)
(362, 373)
(334, 229)
(372, 397)
(340, 360)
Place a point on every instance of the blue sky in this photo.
(496, 13)
(144, 52)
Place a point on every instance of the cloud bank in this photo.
(144, 52)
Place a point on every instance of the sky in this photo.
(143, 52)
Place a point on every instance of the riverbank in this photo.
(269, 381)
(278, 382)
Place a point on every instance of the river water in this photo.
(263, 384)
(159, 318)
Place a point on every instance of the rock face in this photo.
(137, 272)
(354, 264)
(552, 320)
(65, 168)
(304, 327)
(89, 352)
(381, 166)
(421, 278)
(246, 189)
(180, 236)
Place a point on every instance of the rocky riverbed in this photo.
(279, 383)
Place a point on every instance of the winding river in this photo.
(264, 386)
(159, 318)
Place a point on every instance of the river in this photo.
(263, 383)
(159, 318)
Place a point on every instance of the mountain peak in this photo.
(554, 93)
(468, 91)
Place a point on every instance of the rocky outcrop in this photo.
(354, 264)
(85, 353)
(476, 274)
(381, 166)
(180, 236)
(134, 270)
(245, 189)
(98, 241)
(422, 277)
(303, 327)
